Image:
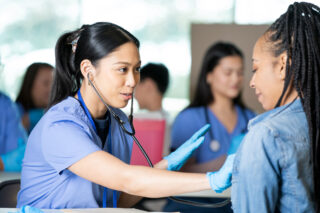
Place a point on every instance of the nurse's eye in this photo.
(138, 69)
(123, 69)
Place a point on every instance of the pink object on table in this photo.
(150, 133)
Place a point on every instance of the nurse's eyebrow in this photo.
(126, 63)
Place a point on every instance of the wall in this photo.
(243, 36)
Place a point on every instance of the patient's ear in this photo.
(283, 64)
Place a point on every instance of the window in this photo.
(29, 30)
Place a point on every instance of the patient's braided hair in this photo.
(297, 32)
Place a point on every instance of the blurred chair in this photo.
(151, 133)
(8, 193)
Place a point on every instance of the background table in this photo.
(9, 176)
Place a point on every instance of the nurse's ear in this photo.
(87, 70)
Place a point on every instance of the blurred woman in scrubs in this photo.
(217, 101)
(78, 156)
(12, 136)
(33, 96)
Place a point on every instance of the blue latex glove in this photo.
(29, 209)
(12, 161)
(235, 143)
(221, 180)
(177, 158)
(34, 116)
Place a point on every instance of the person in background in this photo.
(12, 136)
(277, 166)
(154, 82)
(217, 101)
(33, 96)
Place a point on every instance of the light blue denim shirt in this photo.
(272, 168)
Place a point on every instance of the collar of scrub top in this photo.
(206, 112)
(114, 197)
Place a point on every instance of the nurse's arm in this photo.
(104, 169)
(127, 200)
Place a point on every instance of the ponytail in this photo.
(66, 77)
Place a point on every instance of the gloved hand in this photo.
(235, 143)
(12, 161)
(221, 180)
(34, 116)
(177, 158)
(29, 209)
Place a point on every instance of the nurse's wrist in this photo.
(163, 164)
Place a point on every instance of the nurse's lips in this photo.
(126, 96)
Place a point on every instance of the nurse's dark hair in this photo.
(92, 42)
(217, 51)
(297, 34)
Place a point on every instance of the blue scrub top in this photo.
(63, 136)
(11, 129)
(192, 119)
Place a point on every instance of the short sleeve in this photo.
(65, 143)
(184, 126)
(255, 182)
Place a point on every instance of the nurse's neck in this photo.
(95, 106)
(222, 103)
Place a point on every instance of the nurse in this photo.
(277, 166)
(217, 101)
(12, 136)
(78, 156)
(33, 97)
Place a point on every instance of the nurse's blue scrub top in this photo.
(63, 136)
(191, 119)
(11, 130)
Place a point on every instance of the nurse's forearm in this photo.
(104, 169)
(154, 183)
(127, 200)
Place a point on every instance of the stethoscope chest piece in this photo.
(214, 145)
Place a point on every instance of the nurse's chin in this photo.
(120, 104)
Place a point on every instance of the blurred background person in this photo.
(154, 82)
(12, 135)
(33, 96)
(217, 101)
(149, 93)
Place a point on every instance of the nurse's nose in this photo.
(132, 79)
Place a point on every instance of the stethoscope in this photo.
(132, 134)
(214, 144)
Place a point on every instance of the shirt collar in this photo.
(293, 106)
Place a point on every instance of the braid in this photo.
(297, 33)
